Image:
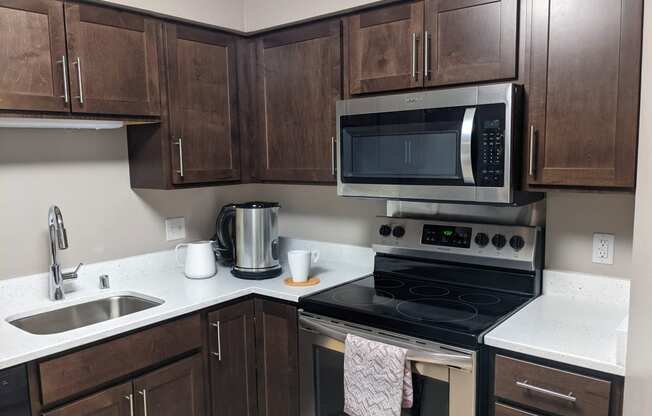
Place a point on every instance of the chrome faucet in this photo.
(58, 239)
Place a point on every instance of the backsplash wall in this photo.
(86, 173)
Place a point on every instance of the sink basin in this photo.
(84, 314)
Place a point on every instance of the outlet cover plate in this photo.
(175, 228)
(603, 248)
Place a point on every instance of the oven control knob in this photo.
(499, 241)
(385, 230)
(481, 239)
(398, 231)
(516, 242)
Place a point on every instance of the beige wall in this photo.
(244, 15)
(638, 382)
(571, 220)
(228, 14)
(86, 173)
(262, 14)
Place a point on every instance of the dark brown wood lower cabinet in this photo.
(114, 401)
(277, 358)
(174, 390)
(503, 410)
(232, 347)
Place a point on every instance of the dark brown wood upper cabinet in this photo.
(584, 93)
(113, 61)
(203, 105)
(177, 389)
(32, 56)
(232, 360)
(470, 41)
(114, 401)
(298, 81)
(385, 47)
(277, 358)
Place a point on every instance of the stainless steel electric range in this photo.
(437, 289)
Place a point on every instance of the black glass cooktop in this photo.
(435, 310)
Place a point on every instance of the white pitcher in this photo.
(200, 259)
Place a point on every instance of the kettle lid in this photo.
(257, 205)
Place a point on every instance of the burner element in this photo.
(429, 291)
(436, 310)
(368, 297)
(479, 299)
(386, 283)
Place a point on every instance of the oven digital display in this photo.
(447, 236)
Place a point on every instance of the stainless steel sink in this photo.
(84, 314)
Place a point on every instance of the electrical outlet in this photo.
(603, 248)
(175, 228)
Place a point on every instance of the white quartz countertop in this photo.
(154, 275)
(575, 321)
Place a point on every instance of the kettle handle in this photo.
(223, 224)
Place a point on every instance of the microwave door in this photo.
(466, 144)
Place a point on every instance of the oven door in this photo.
(443, 378)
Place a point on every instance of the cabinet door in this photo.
(116, 401)
(584, 93)
(384, 48)
(470, 41)
(298, 81)
(277, 355)
(174, 390)
(203, 103)
(32, 56)
(113, 61)
(232, 359)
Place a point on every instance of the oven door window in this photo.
(431, 396)
(406, 147)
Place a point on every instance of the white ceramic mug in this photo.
(300, 261)
(200, 259)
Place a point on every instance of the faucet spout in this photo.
(58, 241)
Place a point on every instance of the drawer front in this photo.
(550, 389)
(80, 371)
(503, 410)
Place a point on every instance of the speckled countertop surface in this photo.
(154, 275)
(575, 321)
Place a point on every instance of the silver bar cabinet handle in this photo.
(64, 64)
(218, 354)
(79, 80)
(143, 393)
(426, 53)
(568, 397)
(333, 156)
(131, 404)
(414, 56)
(180, 144)
(533, 142)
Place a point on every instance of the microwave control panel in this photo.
(490, 169)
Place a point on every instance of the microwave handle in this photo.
(466, 162)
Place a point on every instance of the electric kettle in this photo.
(247, 238)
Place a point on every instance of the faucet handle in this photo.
(72, 274)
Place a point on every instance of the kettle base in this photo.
(259, 275)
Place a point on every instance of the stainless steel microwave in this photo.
(454, 145)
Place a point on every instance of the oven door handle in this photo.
(417, 355)
(466, 161)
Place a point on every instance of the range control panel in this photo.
(446, 235)
(423, 237)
